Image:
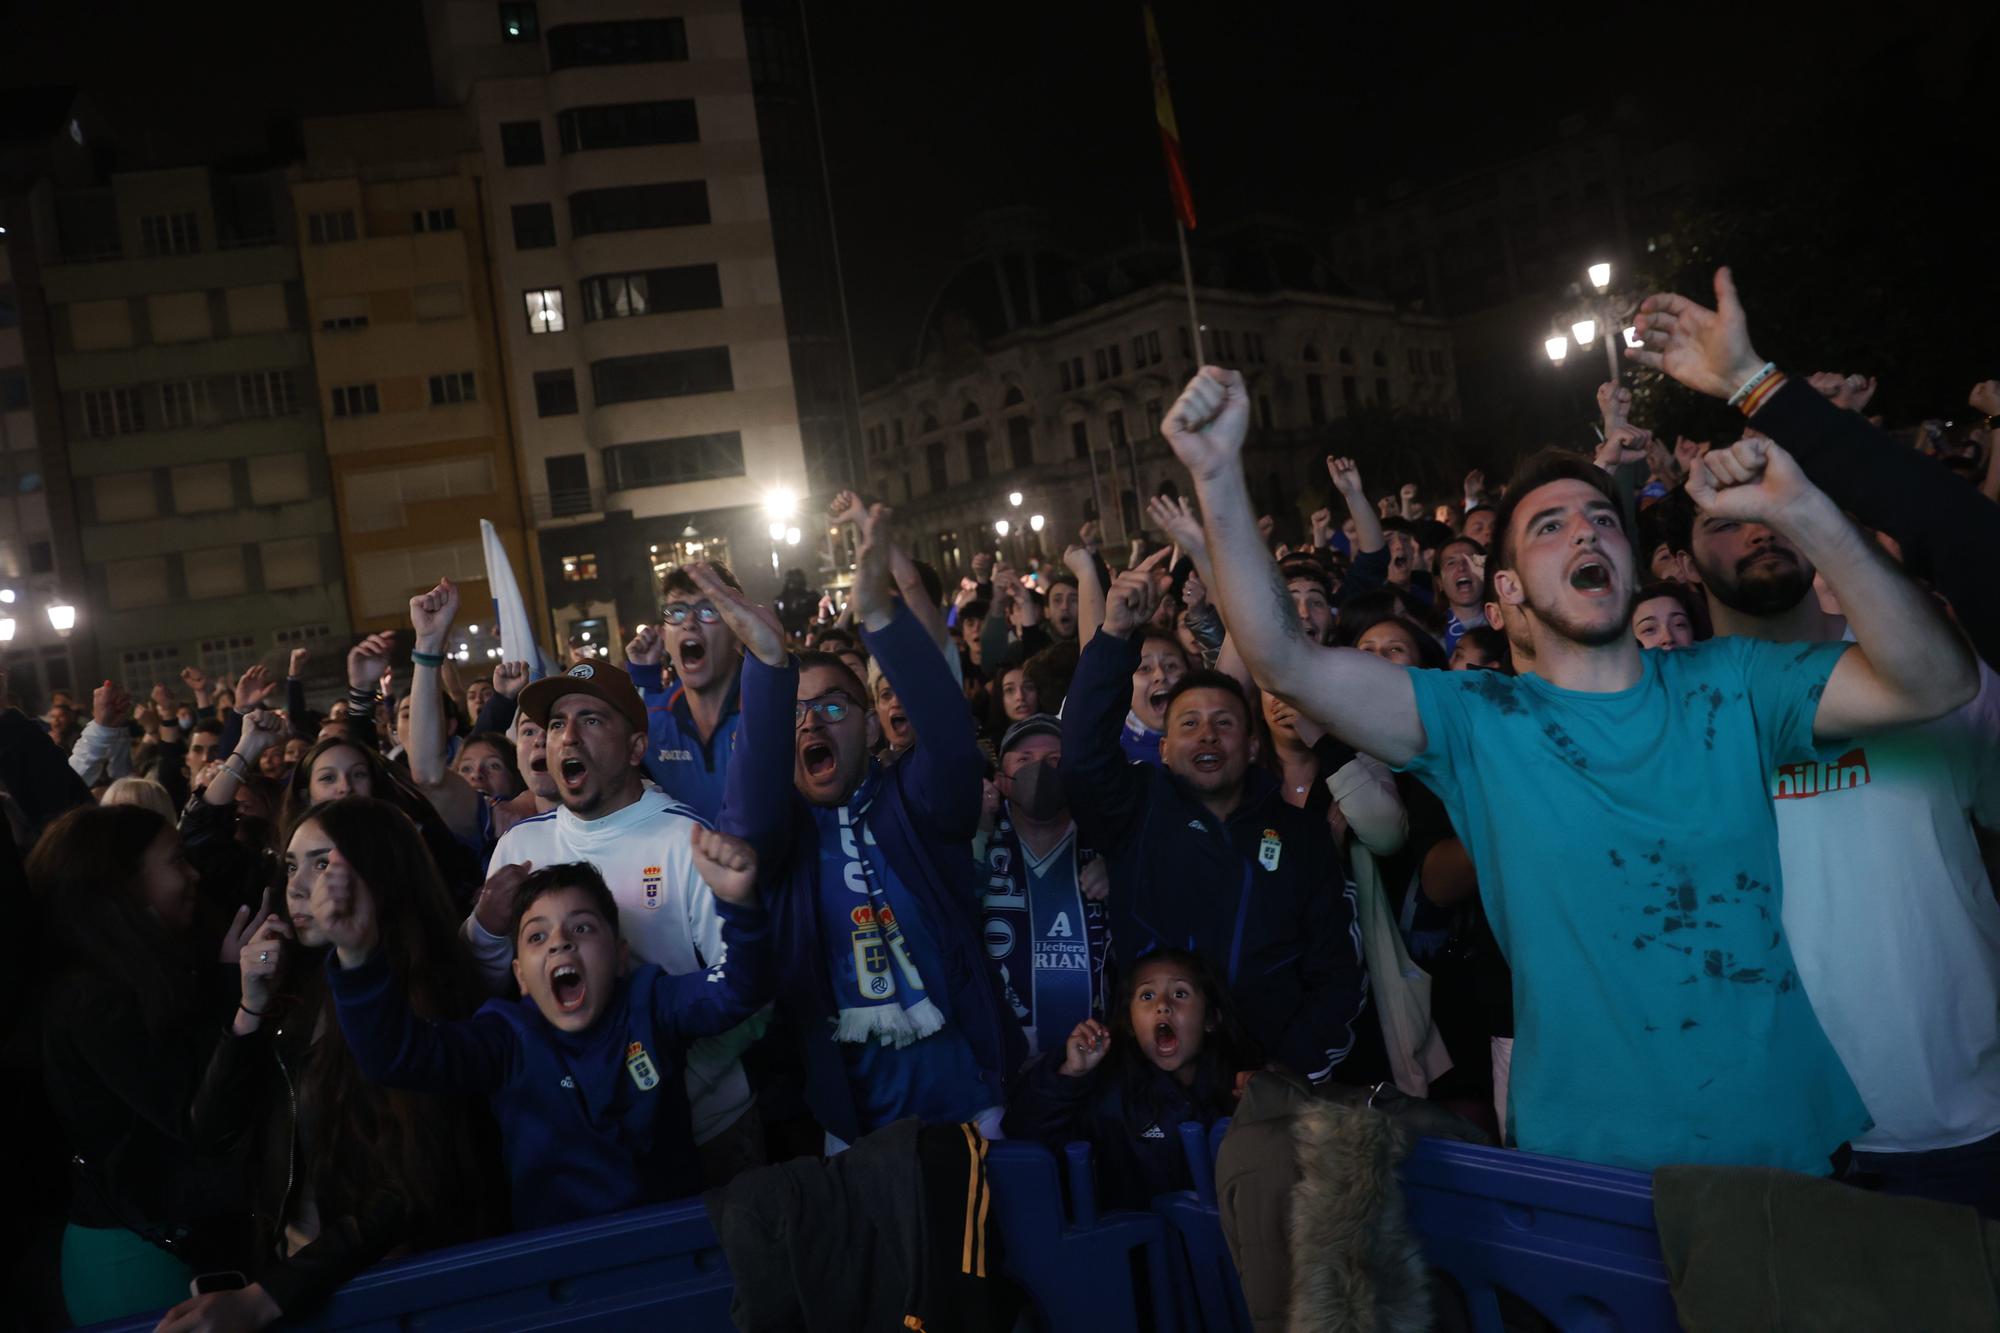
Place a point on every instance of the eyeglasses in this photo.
(678, 613)
(830, 708)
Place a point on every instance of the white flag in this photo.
(517, 635)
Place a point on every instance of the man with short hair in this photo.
(1046, 927)
(1888, 907)
(1312, 596)
(1204, 852)
(1062, 608)
(692, 731)
(1659, 1011)
(1462, 576)
(638, 838)
(868, 866)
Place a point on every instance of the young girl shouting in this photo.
(1172, 1054)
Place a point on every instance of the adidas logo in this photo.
(1153, 1132)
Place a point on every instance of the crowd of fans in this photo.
(1632, 812)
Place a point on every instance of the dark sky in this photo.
(935, 113)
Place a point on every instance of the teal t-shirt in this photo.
(1628, 860)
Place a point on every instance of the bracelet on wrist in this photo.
(1752, 384)
(254, 1013)
(432, 660)
(1762, 394)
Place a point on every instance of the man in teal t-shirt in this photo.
(1616, 805)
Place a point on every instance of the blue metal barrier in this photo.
(1574, 1241)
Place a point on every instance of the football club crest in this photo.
(1268, 849)
(640, 1066)
(582, 671)
(871, 956)
(649, 885)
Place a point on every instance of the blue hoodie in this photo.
(678, 761)
(591, 1122)
(923, 819)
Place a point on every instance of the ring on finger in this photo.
(264, 955)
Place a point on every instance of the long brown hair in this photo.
(410, 1144)
(85, 872)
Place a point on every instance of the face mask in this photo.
(1038, 792)
(186, 719)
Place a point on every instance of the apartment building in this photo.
(394, 260)
(636, 285)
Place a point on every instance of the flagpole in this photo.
(1187, 279)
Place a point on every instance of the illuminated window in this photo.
(579, 568)
(545, 310)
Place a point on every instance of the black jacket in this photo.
(890, 1235)
(1263, 896)
(1137, 1147)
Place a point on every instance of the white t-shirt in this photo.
(1893, 923)
(665, 912)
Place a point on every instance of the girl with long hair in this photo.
(336, 768)
(128, 1027)
(1171, 1053)
(343, 1171)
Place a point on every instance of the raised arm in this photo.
(431, 616)
(1177, 519)
(1368, 533)
(1089, 592)
(1908, 664)
(1366, 701)
(757, 790)
(104, 743)
(1949, 532)
(1107, 791)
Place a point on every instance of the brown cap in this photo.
(607, 683)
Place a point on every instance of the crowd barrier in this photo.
(1571, 1241)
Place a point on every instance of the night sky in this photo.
(936, 113)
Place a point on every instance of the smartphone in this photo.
(226, 1280)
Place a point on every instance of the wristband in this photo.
(1762, 395)
(362, 701)
(233, 754)
(254, 1013)
(1751, 385)
(427, 659)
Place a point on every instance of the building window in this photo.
(1437, 361)
(1416, 361)
(457, 387)
(1264, 410)
(934, 463)
(1187, 344)
(1347, 356)
(627, 125)
(13, 391)
(139, 664)
(1225, 341)
(521, 143)
(1138, 350)
(534, 226)
(555, 393)
(230, 656)
(519, 23)
(1103, 365)
(330, 227)
(183, 403)
(355, 400)
(638, 207)
(1114, 425)
(652, 292)
(10, 310)
(579, 568)
(619, 42)
(1381, 359)
(976, 464)
(434, 219)
(343, 324)
(41, 558)
(267, 393)
(545, 311)
(1316, 400)
(108, 412)
(671, 462)
(1382, 393)
(1153, 418)
(1021, 442)
(626, 379)
(1153, 347)
(569, 484)
(1066, 386)
(1079, 438)
(1350, 394)
(1253, 347)
(169, 234)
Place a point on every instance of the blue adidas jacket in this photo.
(923, 821)
(677, 760)
(590, 1122)
(1263, 895)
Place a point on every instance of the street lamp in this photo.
(1600, 277)
(1035, 521)
(1557, 348)
(6, 630)
(1014, 498)
(1598, 311)
(63, 616)
(1583, 331)
(1001, 527)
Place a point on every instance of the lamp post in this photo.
(1596, 314)
(780, 504)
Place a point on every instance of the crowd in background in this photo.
(1632, 812)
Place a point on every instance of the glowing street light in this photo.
(1584, 331)
(1632, 335)
(1557, 348)
(1035, 521)
(780, 502)
(6, 630)
(1600, 277)
(1014, 498)
(1001, 527)
(6, 594)
(777, 529)
(791, 536)
(63, 616)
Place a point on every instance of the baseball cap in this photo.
(605, 683)
(1040, 724)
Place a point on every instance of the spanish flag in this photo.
(1170, 134)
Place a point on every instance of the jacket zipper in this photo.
(291, 1133)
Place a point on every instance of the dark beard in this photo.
(1767, 593)
(1587, 637)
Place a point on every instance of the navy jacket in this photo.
(679, 763)
(1264, 897)
(590, 1122)
(923, 820)
(1137, 1148)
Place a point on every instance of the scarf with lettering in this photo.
(1046, 938)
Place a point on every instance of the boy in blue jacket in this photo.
(874, 893)
(585, 1069)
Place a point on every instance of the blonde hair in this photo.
(144, 792)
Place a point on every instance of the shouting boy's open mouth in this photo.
(566, 983)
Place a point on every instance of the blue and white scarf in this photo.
(1046, 938)
(873, 950)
